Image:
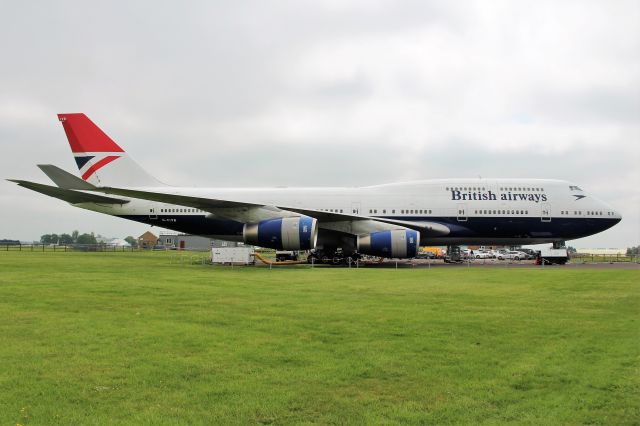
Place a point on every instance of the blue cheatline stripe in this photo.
(81, 161)
(305, 232)
(412, 243)
(381, 243)
(270, 233)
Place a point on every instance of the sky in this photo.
(331, 93)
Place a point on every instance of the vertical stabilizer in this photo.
(100, 160)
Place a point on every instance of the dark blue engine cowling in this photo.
(288, 233)
(399, 243)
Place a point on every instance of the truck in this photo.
(552, 255)
(233, 255)
(430, 253)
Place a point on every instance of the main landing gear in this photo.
(454, 255)
(332, 257)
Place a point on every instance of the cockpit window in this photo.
(575, 188)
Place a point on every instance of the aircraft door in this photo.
(152, 214)
(355, 208)
(462, 212)
(546, 212)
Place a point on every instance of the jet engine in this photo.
(288, 233)
(399, 243)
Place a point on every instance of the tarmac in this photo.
(493, 263)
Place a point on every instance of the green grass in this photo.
(130, 338)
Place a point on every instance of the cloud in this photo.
(328, 93)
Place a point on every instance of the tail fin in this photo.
(100, 160)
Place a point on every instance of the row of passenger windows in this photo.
(522, 189)
(510, 188)
(416, 211)
(383, 211)
(466, 188)
(499, 211)
(402, 211)
(179, 211)
(587, 213)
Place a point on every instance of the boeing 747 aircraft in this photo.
(390, 220)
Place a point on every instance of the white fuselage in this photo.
(509, 211)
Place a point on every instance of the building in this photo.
(603, 251)
(193, 242)
(118, 242)
(147, 240)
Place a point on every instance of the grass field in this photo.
(130, 338)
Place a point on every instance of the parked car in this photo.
(426, 255)
(483, 255)
(513, 255)
(531, 254)
(494, 254)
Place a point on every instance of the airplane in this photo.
(334, 224)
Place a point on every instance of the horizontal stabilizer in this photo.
(64, 179)
(68, 195)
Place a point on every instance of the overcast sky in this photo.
(269, 93)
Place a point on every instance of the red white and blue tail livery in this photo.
(100, 160)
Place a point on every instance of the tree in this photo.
(65, 239)
(633, 251)
(54, 238)
(74, 235)
(45, 239)
(571, 250)
(132, 241)
(86, 239)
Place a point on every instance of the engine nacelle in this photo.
(288, 233)
(400, 243)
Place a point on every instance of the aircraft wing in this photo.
(247, 212)
(68, 195)
(207, 204)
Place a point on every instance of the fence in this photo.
(604, 258)
(64, 248)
